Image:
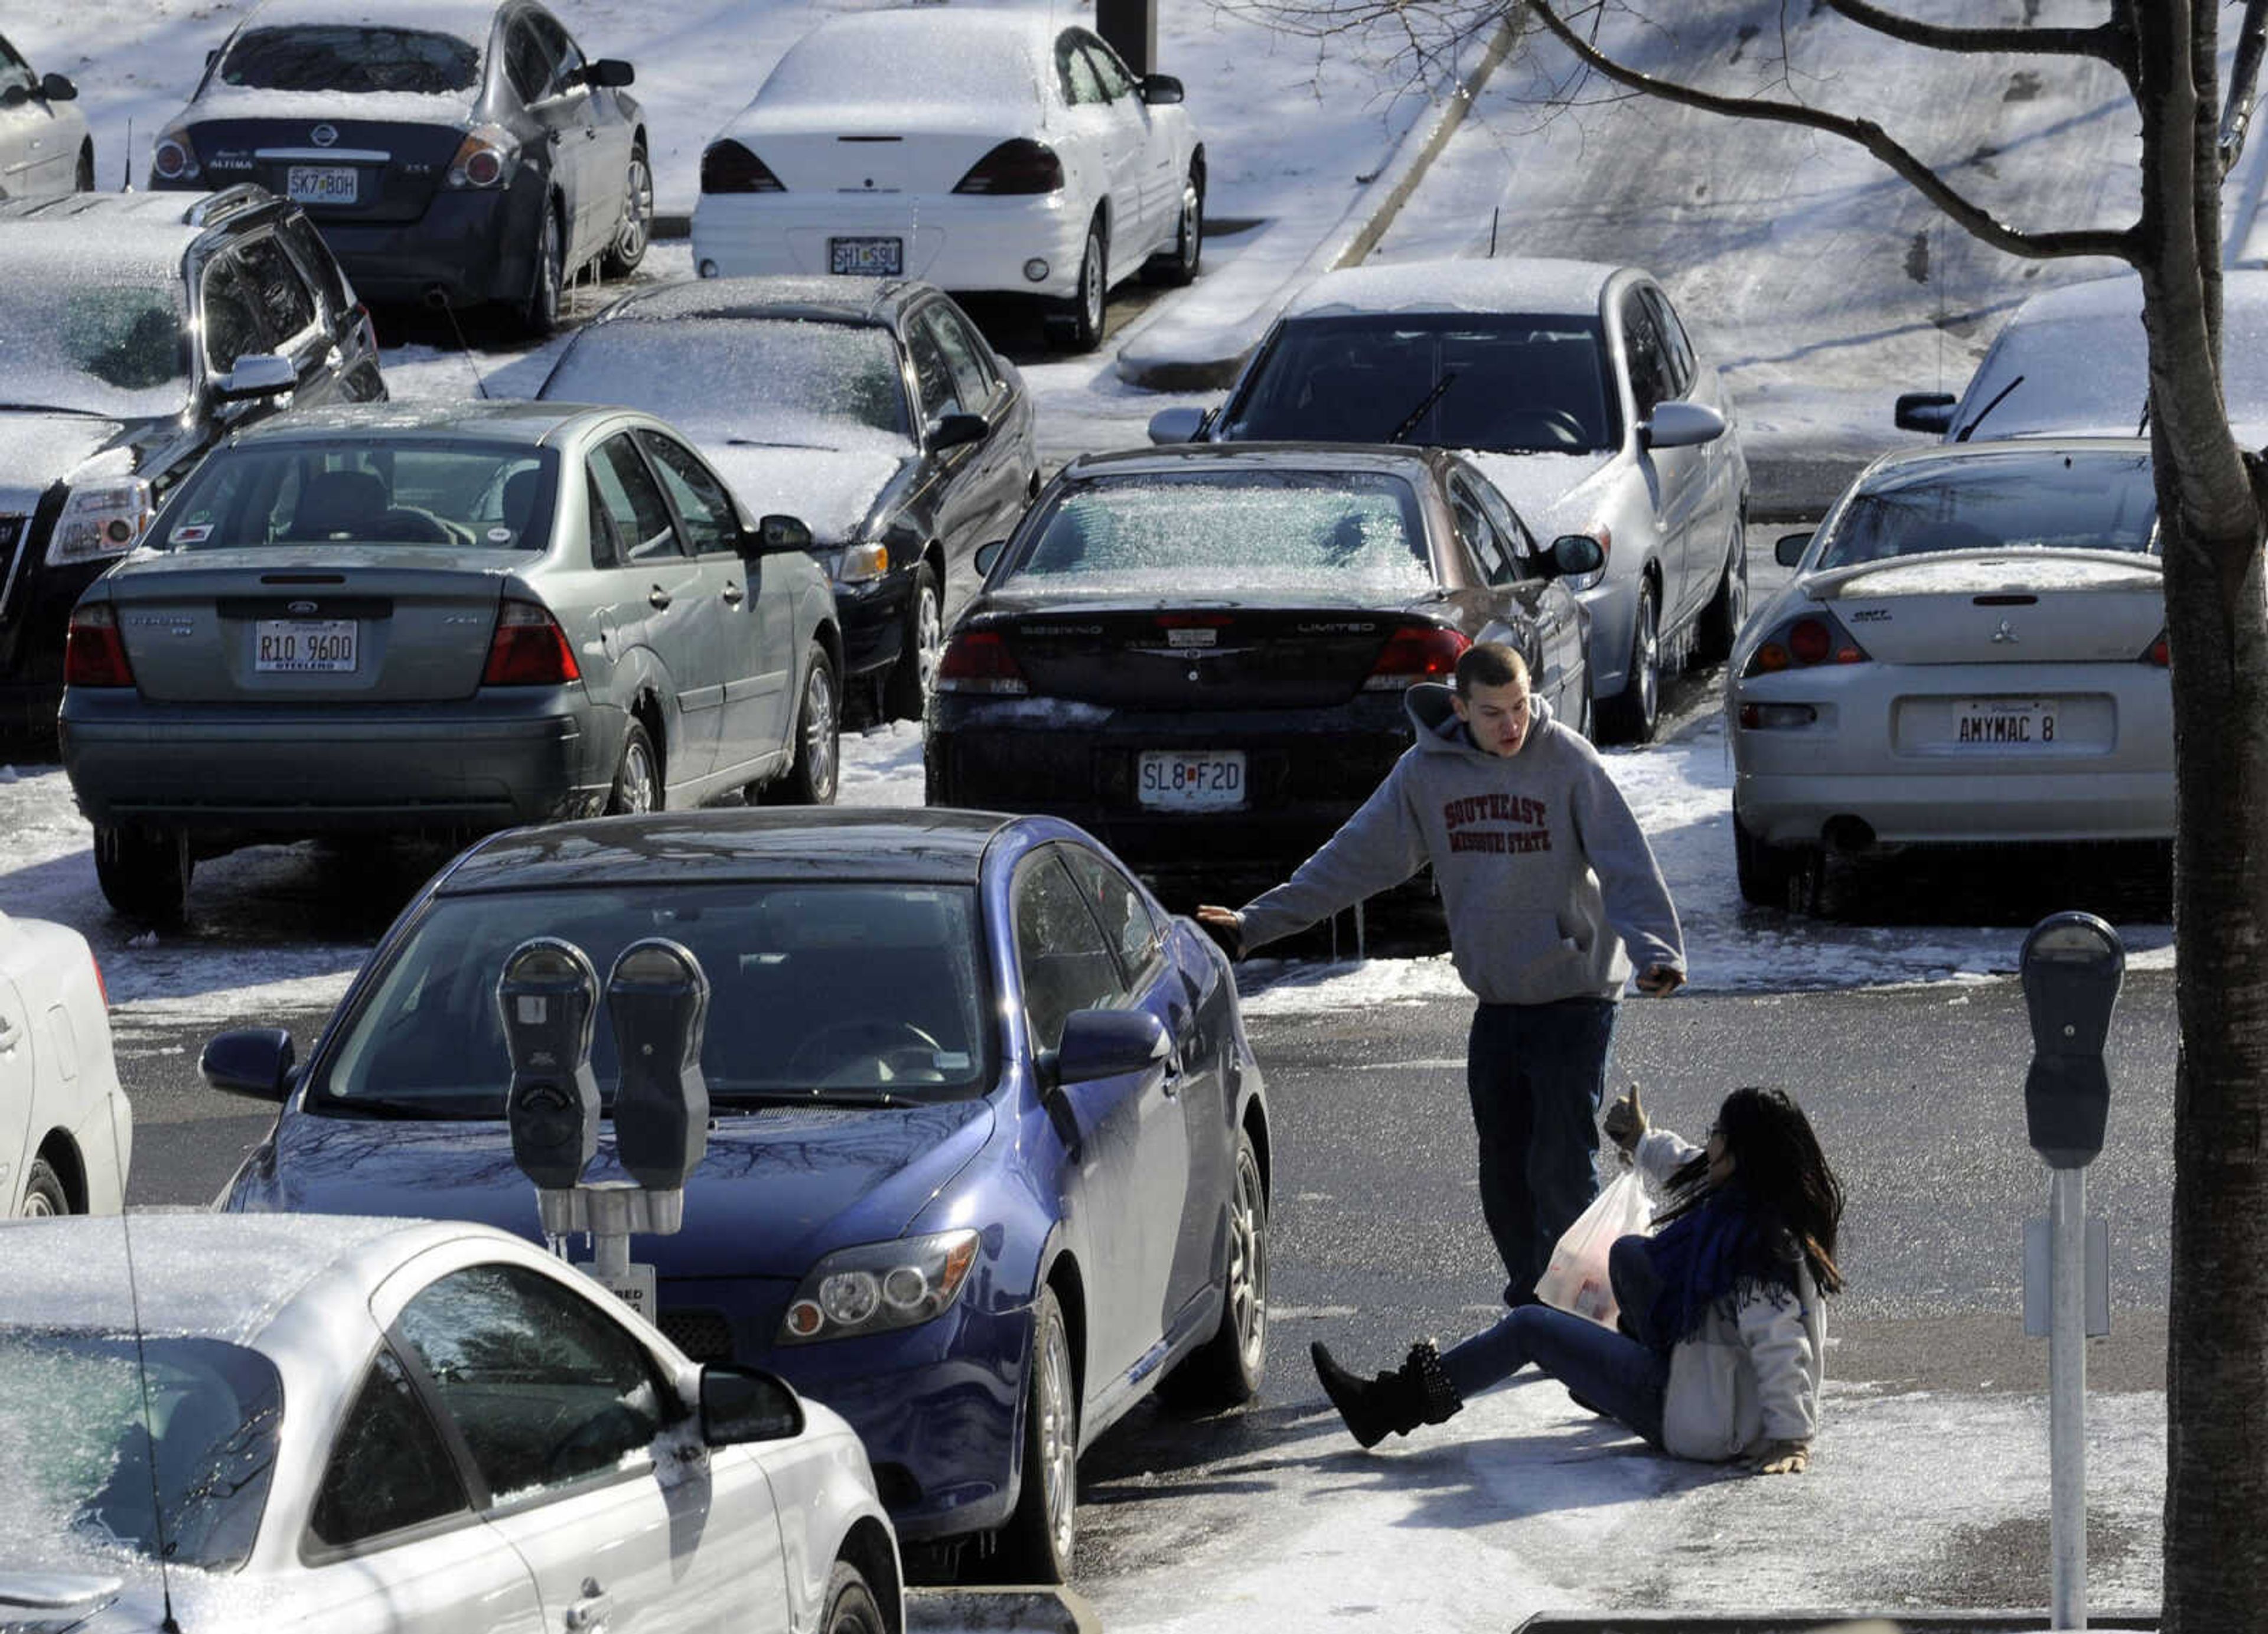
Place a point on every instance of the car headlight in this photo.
(862, 564)
(101, 519)
(880, 1285)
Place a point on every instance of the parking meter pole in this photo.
(2067, 1398)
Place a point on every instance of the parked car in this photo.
(2074, 362)
(872, 410)
(1972, 650)
(988, 1152)
(66, 1130)
(980, 150)
(455, 153)
(136, 332)
(44, 145)
(1200, 653)
(363, 1425)
(1583, 400)
(452, 617)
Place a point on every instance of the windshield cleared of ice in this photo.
(355, 61)
(87, 1470)
(844, 64)
(1504, 385)
(2071, 502)
(1230, 532)
(486, 496)
(72, 340)
(845, 989)
(782, 382)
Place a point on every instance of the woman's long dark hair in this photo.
(1781, 1173)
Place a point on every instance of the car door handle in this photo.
(657, 598)
(590, 1611)
(734, 594)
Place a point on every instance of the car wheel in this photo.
(83, 178)
(849, 1604)
(539, 313)
(44, 1196)
(1631, 716)
(144, 873)
(1721, 618)
(1228, 1369)
(1179, 265)
(1036, 1543)
(629, 248)
(810, 777)
(637, 780)
(1767, 873)
(906, 693)
(1082, 332)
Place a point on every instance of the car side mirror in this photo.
(955, 431)
(1677, 424)
(743, 1404)
(609, 73)
(1926, 411)
(776, 535)
(56, 88)
(1576, 553)
(1789, 549)
(255, 1061)
(256, 374)
(1162, 90)
(1106, 1043)
(1176, 425)
(987, 554)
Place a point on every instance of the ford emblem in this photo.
(301, 606)
(324, 135)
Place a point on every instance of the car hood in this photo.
(832, 490)
(776, 1190)
(39, 450)
(1555, 494)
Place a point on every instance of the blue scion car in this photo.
(990, 1153)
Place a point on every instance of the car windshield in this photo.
(354, 59)
(2070, 501)
(754, 380)
(834, 991)
(73, 341)
(1507, 385)
(1228, 533)
(89, 1469)
(490, 496)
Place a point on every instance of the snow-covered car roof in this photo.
(1536, 284)
(986, 60)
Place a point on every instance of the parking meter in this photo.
(657, 998)
(2072, 964)
(548, 996)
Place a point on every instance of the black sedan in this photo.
(464, 153)
(873, 411)
(1200, 653)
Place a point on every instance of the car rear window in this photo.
(2071, 502)
(341, 57)
(1230, 531)
(488, 496)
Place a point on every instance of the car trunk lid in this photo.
(911, 150)
(339, 169)
(2002, 607)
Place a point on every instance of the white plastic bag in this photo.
(1576, 1280)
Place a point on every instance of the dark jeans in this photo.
(1612, 1373)
(1535, 1073)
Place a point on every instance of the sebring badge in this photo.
(323, 135)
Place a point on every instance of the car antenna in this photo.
(141, 1378)
(479, 387)
(1493, 214)
(126, 165)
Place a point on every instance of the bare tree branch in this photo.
(2119, 243)
(2107, 41)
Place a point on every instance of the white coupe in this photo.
(66, 1131)
(985, 151)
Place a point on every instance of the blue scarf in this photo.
(1723, 1251)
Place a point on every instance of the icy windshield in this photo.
(1507, 385)
(1231, 532)
(851, 991)
(490, 496)
(759, 381)
(73, 341)
(2073, 502)
(329, 56)
(87, 1470)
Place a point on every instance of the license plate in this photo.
(321, 184)
(1195, 782)
(2004, 723)
(872, 258)
(313, 646)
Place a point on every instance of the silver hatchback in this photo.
(447, 618)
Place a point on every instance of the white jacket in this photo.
(1740, 1381)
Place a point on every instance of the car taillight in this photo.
(529, 649)
(174, 159)
(102, 987)
(484, 157)
(1805, 641)
(1416, 652)
(978, 660)
(1023, 165)
(94, 653)
(728, 168)
(2159, 653)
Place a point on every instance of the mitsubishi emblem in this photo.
(2004, 633)
(323, 135)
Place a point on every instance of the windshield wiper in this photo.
(1425, 408)
(758, 1098)
(1970, 429)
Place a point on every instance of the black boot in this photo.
(1417, 1393)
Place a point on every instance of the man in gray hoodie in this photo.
(1547, 879)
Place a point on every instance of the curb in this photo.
(1905, 1620)
(1201, 357)
(1038, 1609)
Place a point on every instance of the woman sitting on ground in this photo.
(1723, 1336)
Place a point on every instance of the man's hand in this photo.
(1226, 925)
(1625, 1123)
(1781, 1458)
(1659, 981)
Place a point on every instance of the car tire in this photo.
(539, 312)
(1178, 266)
(813, 775)
(1081, 328)
(906, 694)
(849, 1605)
(1768, 873)
(44, 1196)
(628, 249)
(1721, 618)
(637, 776)
(144, 873)
(1036, 1544)
(1226, 1370)
(1632, 714)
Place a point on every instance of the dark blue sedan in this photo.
(989, 1156)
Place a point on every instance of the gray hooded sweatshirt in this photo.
(1545, 875)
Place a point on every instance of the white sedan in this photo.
(66, 1131)
(343, 1424)
(981, 151)
(44, 145)
(1973, 649)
